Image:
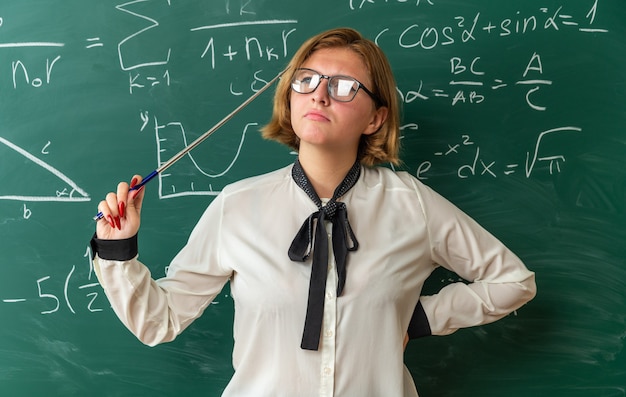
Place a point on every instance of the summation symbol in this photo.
(146, 78)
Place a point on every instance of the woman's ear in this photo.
(377, 120)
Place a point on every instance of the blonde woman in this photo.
(326, 258)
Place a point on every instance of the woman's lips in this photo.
(316, 116)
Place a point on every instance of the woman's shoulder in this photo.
(399, 184)
(262, 181)
(390, 179)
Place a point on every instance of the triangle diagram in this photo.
(25, 177)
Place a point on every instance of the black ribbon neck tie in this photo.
(312, 238)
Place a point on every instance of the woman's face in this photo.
(322, 122)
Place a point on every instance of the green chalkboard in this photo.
(515, 111)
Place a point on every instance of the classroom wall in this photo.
(512, 110)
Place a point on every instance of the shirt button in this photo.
(329, 295)
(329, 333)
(327, 371)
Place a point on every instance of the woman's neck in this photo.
(325, 172)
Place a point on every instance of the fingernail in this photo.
(135, 193)
(110, 220)
(122, 208)
(118, 223)
(133, 182)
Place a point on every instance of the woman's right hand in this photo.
(121, 212)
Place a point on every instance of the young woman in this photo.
(326, 258)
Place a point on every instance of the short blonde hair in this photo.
(380, 147)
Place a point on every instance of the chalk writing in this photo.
(31, 44)
(45, 148)
(138, 80)
(465, 29)
(93, 42)
(54, 300)
(152, 24)
(468, 79)
(171, 138)
(470, 82)
(242, 8)
(19, 70)
(359, 4)
(154, 71)
(481, 165)
(69, 191)
(27, 212)
(254, 48)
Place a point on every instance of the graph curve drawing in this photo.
(188, 177)
(49, 185)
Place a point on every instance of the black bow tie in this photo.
(305, 243)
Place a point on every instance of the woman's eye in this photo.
(345, 87)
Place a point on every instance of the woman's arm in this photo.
(498, 281)
(155, 311)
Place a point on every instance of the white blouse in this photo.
(404, 229)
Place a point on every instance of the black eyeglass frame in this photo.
(374, 97)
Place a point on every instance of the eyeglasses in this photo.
(340, 88)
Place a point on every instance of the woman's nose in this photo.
(321, 93)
